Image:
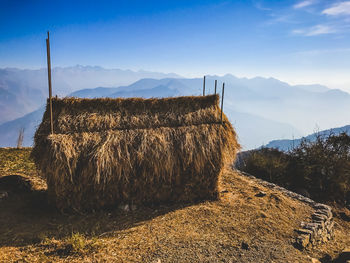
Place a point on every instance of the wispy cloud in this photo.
(315, 30)
(304, 4)
(341, 8)
(259, 6)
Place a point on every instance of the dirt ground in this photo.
(239, 227)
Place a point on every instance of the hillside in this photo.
(285, 145)
(250, 223)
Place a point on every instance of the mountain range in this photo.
(261, 109)
(23, 91)
(286, 145)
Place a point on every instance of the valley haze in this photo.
(261, 109)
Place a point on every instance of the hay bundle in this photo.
(107, 152)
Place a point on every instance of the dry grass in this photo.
(212, 231)
(18, 161)
(108, 152)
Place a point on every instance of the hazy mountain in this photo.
(22, 91)
(261, 109)
(252, 130)
(286, 145)
(9, 130)
(313, 88)
(298, 106)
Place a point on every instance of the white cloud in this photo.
(315, 30)
(259, 6)
(341, 8)
(303, 4)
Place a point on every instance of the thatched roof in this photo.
(110, 151)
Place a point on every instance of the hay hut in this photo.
(107, 152)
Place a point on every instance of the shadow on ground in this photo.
(27, 218)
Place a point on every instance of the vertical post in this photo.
(222, 100)
(49, 77)
(216, 83)
(204, 86)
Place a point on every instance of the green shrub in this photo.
(321, 167)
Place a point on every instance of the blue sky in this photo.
(295, 41)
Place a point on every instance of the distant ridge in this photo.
(25, 90)
(285, 145)
(261, 109)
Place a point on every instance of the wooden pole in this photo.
(222, 100)
(204, 86)
(49, 77)
(216, 82)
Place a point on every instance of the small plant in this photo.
(77, 243)
(20, 138)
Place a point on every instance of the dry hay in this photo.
(107, 152)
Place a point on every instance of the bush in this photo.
(268, 164)
(322, 167)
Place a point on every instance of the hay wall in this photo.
(107, 152)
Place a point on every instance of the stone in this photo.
(325, 212)
(322, 206)
(320, 223)
(303, 231)
(311, 226)
(303, 240)
(318, 216)
(330, 227)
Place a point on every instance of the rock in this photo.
(245, 246)
(302, 231)
(327, 213)
(303, 240)
(318, 216)
(322, 207)
(311, 226)
(315, 260)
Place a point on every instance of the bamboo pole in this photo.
(216, 82)
(49, 77)
(204, 86)
(222, 100)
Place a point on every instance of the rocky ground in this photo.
(249, 223)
